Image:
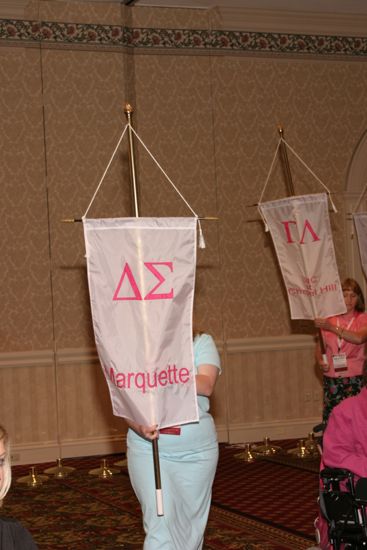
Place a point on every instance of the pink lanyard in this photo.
(340, 340)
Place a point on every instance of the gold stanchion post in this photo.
(59, 471)
(267, 448)
(104, 471)
(246, 455)
(33, 479)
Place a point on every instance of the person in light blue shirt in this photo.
(188, 462)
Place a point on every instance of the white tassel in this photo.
(201, 236)
(266, 227)
(332, 204)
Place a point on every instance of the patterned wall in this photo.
(208, 103)
(26, 312)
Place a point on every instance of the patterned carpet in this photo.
(259, 506)
(279, 495)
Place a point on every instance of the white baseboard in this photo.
(50, 451)
(222, 433)
(292, 429)
(236, 433)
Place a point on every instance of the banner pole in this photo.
(128, 110)
(323, 350)
(285, 163)
(290, 186)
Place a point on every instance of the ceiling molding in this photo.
(289, 22)
(14, 9)
(351, 7)
(227, 17)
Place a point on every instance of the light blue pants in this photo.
(187, 478)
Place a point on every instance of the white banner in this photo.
(141, 274)
(360, 222)
(300, 229)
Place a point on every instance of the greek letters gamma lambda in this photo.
(151, 295)
(307, 227)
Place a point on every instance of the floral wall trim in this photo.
(181, 39)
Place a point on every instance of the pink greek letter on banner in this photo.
(141, 276)
(301, 232)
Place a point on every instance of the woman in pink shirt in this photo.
(345, 446)
(344, 338)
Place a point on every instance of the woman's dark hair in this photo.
(351, 284)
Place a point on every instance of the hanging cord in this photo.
(128, 125)
(163, 172)
(356, 208)
(266, 183)
(312, 173)
(201, 236)
(360, 199)
(270, 171)
(306, 166)
(105, 172)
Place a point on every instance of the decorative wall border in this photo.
(43, 32)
